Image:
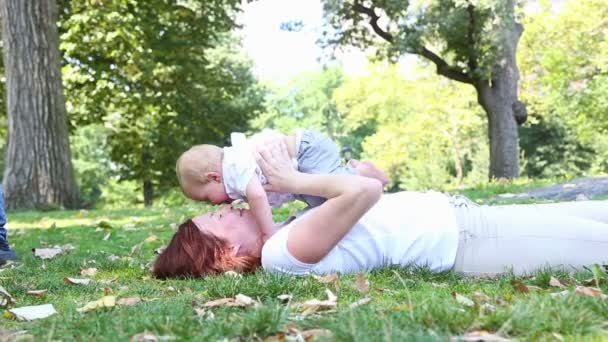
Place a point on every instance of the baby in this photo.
(221, 175)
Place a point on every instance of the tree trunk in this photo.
(498, 98)
(146, 158)
(39, 169)
(148, 193)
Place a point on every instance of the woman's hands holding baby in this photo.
(277, 167)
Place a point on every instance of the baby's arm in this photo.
(259, 206)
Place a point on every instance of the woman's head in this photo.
(213, 243)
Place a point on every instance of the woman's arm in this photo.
(349, 197)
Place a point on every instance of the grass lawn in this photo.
(406, 304)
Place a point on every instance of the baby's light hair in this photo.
(194, 163)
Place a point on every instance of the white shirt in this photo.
(239, 166)
(401, 229)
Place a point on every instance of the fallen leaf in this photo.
(462, 300)
(128, 301)
(482, 335)
(104, 302)
(218, 302)
(76, 281)
(107, 291)
(327, 279)
(555, 282)
(403, 307)
(590, 292)
(361, 283)
(173, 226)
(67, 247)
(314, 333)
(88, 272)
(480, 297)
(106, 237)
(161, 249)
(5, 298)
(314, 305)
(242, 300)
(285, 298)
(520, 286)
(29, 313)
(36, 293)
(113, 257)
(108, 281)
(360, 302)
(149, 337)
(47, 253)
(151, 238)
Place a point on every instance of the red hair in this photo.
(195, 253)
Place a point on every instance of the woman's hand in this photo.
(277, 167)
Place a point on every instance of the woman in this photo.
(358, 228)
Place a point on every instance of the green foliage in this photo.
(468, 35)
(563, 58)
(161, 75)
(426, 132)
(305, 102)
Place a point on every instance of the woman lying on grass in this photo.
(358, 228)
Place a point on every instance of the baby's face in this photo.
(211, 191)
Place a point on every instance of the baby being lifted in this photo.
(221, 175)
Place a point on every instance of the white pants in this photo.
(525, 238)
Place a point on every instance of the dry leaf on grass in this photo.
(233, 274)
(106, 237)
(327, 279)
(239, 300)
(360, 302)
(150, 337)
(36, 293)
(462, 300)
(555, 282)
(480, 297)
(76, 281)
(520, 286)
(130, 301)
(293, 334)
(314, 305)
(590, 292)
(361, 283)
(5, 298)
(104, 302)
(481, 335)
(560, 294)
(151, 238)
(47, 253)
(88, 272)
(108, 281)
(160, 250)
(29, 313)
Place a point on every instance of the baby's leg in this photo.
(368, 169)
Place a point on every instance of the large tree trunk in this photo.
(39, 169)
(505, 112)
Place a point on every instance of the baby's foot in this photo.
(368, 169)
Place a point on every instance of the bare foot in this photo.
(368, 169)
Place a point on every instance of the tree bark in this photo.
(148, 193)
(39, 170)
(498, 98)
(148, 188)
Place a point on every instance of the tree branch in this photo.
(472, 60)
(373, 20)
(443, 68)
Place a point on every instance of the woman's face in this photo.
(237, 226)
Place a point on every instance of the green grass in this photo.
(407, 304)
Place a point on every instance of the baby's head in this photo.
(199, 172)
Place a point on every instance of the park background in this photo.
(143, 81)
